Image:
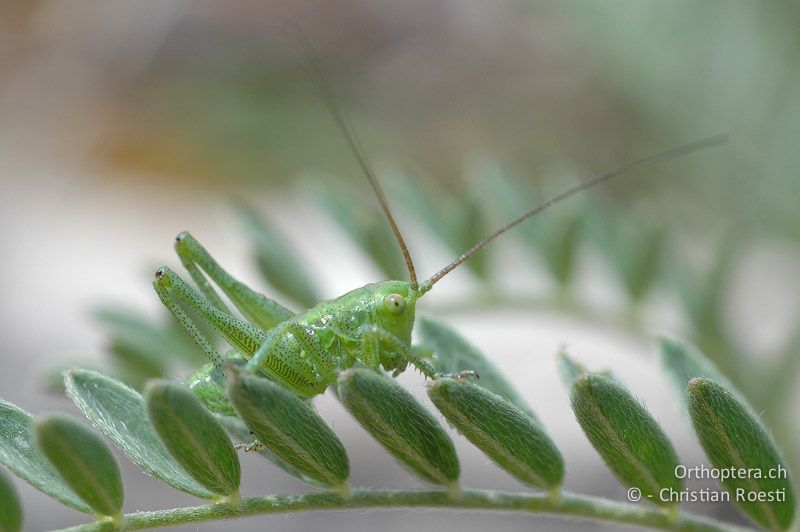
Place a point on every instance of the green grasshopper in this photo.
(370, 326)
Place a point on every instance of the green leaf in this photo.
(119, 412)
(469, 226)
(641, 262)
(276, 259)
(239, 430)
(458, 222)
(291, 429)
(703, 294)
(502, 431)
(560, 246)
(569, 369)
(735, 441)
(141, 350)
(683, 361)
(10, 507)
(401, 424)
(626, 436)
(131, 366)
(152, 345)
(453, 353)
(423, 196)
(635, 251)
(83, 460)
(368, 227)
(52, 375)
(193, 437)
(208, 384)
(379, 243)
(555, 236)
(784, 371)
(19, 454)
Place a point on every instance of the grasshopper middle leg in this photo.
(256, 307)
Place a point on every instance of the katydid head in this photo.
(395, 305)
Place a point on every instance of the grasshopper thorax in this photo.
(385, 311)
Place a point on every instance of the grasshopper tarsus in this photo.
(252, 447)
(464, 375)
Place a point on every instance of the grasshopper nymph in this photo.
(369, 326)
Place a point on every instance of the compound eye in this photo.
(395, 303)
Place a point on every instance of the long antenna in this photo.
(335, 108)
(619, 170)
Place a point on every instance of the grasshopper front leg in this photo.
(374, 338)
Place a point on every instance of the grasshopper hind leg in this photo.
(282, 355)
(176, 294)
(273, 353)
(256, 307)
(162, 285)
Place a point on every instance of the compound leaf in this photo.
(119, 412)
(19, 453)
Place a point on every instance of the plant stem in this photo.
(568, 505)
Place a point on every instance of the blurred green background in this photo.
(202, 91)
(126, 122)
